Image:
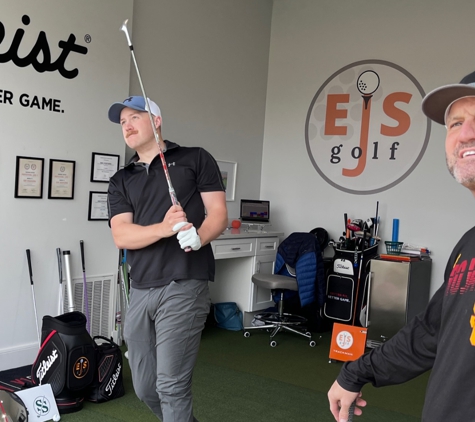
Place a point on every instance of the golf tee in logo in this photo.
(365, 131)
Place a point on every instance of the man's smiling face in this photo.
(460, 142)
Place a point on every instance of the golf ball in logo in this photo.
(368, 82)
(344, 340)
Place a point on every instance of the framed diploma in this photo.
(61, 179)
(29, 177)
(98, 206)
(103, 166)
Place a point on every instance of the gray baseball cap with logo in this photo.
(436, 104)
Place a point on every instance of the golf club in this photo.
(28, 257)
(85, 294)
(171, 190)
(60, 274)
(162, 157)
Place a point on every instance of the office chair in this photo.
(298, 268)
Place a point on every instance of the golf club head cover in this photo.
(187, 238)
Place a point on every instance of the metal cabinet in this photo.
(397, 292)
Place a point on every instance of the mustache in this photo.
(132, 132)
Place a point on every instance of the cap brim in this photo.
(116, 108)
(114, 112)
(435, 103)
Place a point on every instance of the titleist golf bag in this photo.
(108, 383)
(66, 360)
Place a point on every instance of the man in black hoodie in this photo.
(442, 338)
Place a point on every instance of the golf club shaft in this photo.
(60, 275)
(85, 295)
(171, 190)
(28, 258)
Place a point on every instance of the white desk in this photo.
(239, 255)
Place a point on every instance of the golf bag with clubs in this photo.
(347, 285)
(66, 360)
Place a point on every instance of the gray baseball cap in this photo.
(436, 104)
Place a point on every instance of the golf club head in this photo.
(355, 225)
(124, 28)
(12, 407)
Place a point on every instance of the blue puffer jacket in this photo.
(301, 251)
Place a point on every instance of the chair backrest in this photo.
(301, 253)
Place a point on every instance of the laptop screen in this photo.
(254, 210)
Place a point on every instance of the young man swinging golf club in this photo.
(169, 296)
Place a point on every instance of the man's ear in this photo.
(158, 121)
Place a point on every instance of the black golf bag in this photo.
(66, 360)
(347, 285)
(108, 381)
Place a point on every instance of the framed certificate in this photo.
(29, 177)
(61, 179)
(228, 174)
(103, 166)
(98, 206)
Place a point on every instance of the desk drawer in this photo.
(267, 245)
(233, 248)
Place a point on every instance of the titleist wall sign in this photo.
(40, 55)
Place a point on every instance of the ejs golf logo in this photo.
(365, 131)
(344, 340)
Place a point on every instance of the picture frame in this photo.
(103, 166)
(98, 210)
(228, 173)
(61, 179)
(29, 177)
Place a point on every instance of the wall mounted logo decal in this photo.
(365, 131)
(40, 55)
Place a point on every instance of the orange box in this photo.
(348, 342)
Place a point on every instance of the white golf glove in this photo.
(188, 238)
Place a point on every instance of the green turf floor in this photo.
(244, 379)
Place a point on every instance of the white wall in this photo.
(313, 39)
(42, 225)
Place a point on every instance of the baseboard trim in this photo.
(15, 357)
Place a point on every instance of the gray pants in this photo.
(163, 331)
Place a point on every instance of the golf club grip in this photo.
(81, 244)
(28, 258)
(351, 411)
(60, 265)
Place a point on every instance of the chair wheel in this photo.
(247, 334)
(273, 343)
(308, 333)
(312, 343)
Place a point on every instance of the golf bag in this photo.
(108, 383)
(66, 360)
(347, 285)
